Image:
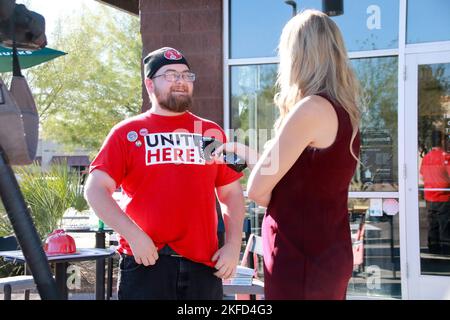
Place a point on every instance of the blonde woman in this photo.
(304, 174)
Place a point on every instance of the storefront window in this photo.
(252, 108)
(253, 113)
(376, 251)
(428, 21)
(378, 170)
(256, 25)
(365, 24)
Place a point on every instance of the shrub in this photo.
(48, 194)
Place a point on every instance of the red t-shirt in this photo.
(168, 188)
(435, 170)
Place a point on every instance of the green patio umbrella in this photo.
(27, 58)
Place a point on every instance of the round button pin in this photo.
(132, 136)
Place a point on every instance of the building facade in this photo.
(400, 51)
(49, 153)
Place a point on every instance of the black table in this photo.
(62, 261)
(100, 242)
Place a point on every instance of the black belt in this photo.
(168, 251)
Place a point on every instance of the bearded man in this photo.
(166, 218)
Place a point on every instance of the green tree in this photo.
(379, 114)
(434, 84)
(252, 106)
(81, 95)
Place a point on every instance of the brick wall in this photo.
(195, 28)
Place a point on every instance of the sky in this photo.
(52, 10)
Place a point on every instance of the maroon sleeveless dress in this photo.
(306, 233)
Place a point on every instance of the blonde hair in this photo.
(313, 60)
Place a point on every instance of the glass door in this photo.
(427, 147)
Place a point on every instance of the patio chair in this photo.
(253, 250)
(12, 284)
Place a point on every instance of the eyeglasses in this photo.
(172, 76)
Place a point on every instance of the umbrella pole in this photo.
(16, 64)
(25, 231)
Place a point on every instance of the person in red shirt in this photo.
(435, 172)
(167, 218)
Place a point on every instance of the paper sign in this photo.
(376, 207)
(390, 206)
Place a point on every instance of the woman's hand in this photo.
(249, 155)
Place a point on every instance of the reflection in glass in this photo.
(252, 107)
(256, 25)
(428, 21)
(376, 250)
(365, 24)
(253, 112)
(379, 169)
(434, 168)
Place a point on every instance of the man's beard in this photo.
(174, 103)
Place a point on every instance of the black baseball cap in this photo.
(161, 57)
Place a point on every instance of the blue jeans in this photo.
(170, 278)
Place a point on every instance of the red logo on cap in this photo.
(172, 54)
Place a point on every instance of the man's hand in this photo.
(144, 250)
(227, 259)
